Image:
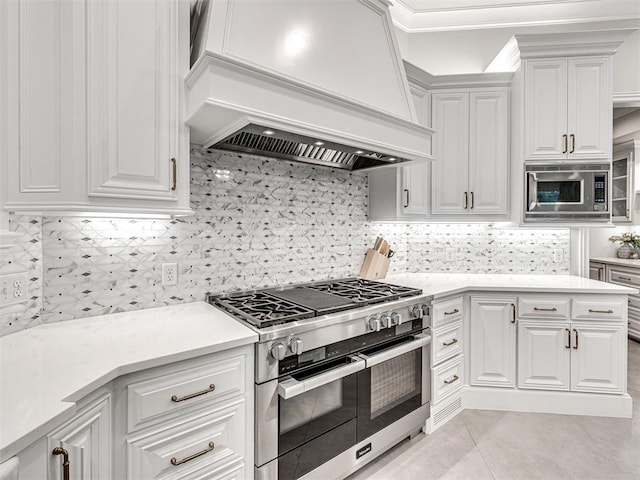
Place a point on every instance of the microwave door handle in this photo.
(291, 387)
(419, 341)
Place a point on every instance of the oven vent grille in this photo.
(445, 413)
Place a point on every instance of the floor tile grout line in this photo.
(478, 448)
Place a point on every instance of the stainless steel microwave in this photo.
(567, 193)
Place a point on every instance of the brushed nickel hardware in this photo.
(453, 379)
(600, 311)
(513, 313)
(552, 309)
(177, 399)
(575, 347)
(624, 278)
(175, 461)
(471, 207)
(452, 342)
(454, 311)
(564, 140)
(174, 173)
(573, 143)
(466, 201)
(406, 191)
(568, 345)
(65, 461)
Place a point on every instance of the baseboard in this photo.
(538, 401)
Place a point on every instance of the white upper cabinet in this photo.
(403, 193)
(568, 108)
(470, 175)
(100, 124)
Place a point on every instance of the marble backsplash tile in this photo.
(258, 222)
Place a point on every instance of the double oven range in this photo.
(342, 373)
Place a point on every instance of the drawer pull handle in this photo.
(453, 341)
(552, 309)
(600, 311)
(175, 461)
(453, 312)
(453, 379)
(624, 278)
(65, 461)
(177, 399)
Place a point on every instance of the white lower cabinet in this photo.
(543, 355)
(187, 420)
(492, 347)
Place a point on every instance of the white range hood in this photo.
(319, 81)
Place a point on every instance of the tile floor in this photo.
(480, 444)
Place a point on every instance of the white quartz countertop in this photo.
(627, 262)
(44, 370)
(438, 285)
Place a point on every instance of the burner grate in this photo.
(365, 292)
(262, 309)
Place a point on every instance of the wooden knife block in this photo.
(375, 265)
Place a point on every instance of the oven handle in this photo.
(291, 387)
(418, 341)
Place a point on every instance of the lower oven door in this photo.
(395, 383)
(317, 411)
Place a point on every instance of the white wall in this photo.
(626, 127)
(626, 66)
(599, 243)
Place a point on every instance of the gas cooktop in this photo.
(263, 308)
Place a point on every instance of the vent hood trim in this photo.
(218, 86)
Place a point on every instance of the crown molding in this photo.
(626, 99)
(514, 14)
(598, 42)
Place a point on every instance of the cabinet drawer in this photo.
(633, 301)
(634, 328)
(541, 307)
(447, 342)
(447, 378)
(447, 311)
(208, 443)
(601, 310)
(623, 277)
(176, 391)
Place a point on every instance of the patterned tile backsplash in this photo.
(258, 222)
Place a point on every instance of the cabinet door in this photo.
(590, 119)
(493, 341)
(133, 98)
(596, 271)
(415, 189)
(621, 188)
(450, 176)
(87, 438)
(488, 152)
(545, 104)
(544, 353)
(598, 358)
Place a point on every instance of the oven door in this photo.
(317, 411)
(395, 382)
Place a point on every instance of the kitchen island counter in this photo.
(46, 369)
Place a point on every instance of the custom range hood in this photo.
(318, 81)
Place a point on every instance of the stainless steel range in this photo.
(342, 373)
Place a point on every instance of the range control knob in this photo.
(295, 345)
(374, 324)
(396, 318)
(416, 311)
(425, 309)
(277, 350)
(385, 320)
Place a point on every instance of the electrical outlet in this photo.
(13, 288)
(169, 274)
(449, 254)
(558, 255)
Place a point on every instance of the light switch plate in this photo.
(13, 288)
(558, 255)
(449, 254)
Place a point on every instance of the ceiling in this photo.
(415, 16)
